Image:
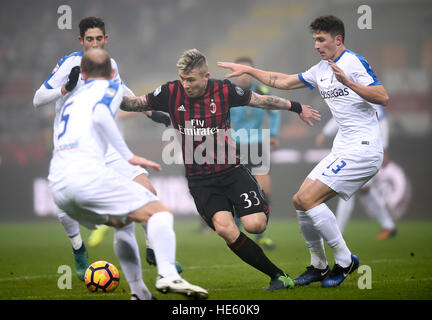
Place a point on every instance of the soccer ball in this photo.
(102, 276)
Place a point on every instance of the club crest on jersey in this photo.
(212, 106)
(157, 91)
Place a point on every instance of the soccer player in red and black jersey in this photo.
(199, 108)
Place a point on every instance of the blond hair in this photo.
(191, 59)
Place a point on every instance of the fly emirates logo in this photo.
(196, 127)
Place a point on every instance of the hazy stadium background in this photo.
(147, 37)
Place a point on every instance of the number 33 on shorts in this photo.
(250, 199)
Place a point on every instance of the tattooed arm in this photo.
(269, 102)
(279, 80)
(272, 79)
(305, 112)
(134, 104)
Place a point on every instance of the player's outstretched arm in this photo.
(272, 79)
(134, 104)
(139, 104)
(305, 112)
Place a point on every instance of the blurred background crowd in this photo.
(147, 37)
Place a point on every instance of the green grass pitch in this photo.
(31, 253)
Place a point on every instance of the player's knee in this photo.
(229, 232)
(143, 214)
(258, 228)
(255, 224)
(300, 201)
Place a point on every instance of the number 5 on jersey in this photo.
(65, 118)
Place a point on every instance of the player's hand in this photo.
(73, 78)
(338, 72)
(143, 162)
(319, 140)
(160, 117)
(237, 69)
(309, 113)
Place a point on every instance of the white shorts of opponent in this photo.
(91, 201)
(114, 160)
(346, 172)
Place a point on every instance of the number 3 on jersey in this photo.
(65, 118)
(336, 167)
(255, 201)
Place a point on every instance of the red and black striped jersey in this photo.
(203, 123)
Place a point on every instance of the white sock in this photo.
(76, 242)
(160, 233)
(313, 241)
(127, 251)
(71, 227)
(148, 245)
(324, 221)
(375, 204)
(343, 212)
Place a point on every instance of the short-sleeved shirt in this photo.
(203, 122)
(356, 117)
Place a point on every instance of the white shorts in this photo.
(347, 172)
(108, 194)
(114, 160)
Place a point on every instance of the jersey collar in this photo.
(336, 60)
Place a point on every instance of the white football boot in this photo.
(180, 285)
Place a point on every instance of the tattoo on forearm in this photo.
(272, 81)
(270, 102)
(132, 104)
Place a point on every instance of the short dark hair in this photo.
(96, 63)
(244, 59)
(330, 24)
(89, 23)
